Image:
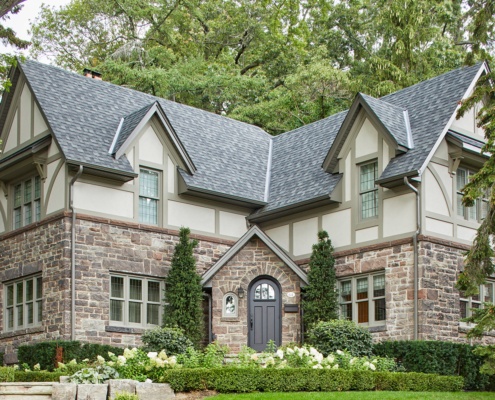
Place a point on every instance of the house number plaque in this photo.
(291, 294)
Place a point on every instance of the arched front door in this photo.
(264, 314)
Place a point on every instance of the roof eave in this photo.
(104, 172)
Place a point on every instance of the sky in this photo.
(20, 22)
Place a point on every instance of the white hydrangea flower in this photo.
(317, 366)
(152, 354)
(172, 361)
(37, 367)
(110, 354)
(121, 360)
(318, 357)
(270, 361)
(353, 360)
(290, 351)
(100, 360)
(336, 366)
(280, 354)
(331, 358)
(313, 351)
(163, 355)
(254, 357)
(340, 352)
(128, 354)
(72, 362)
(372, 367)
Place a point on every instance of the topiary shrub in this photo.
(172, 340)
(339, 334)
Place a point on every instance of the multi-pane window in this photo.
(27, 202)
(485, 295)
(362, 299)
(23, 303)
(135, 300)
(148, 196)
(368, 191)
(480, 208)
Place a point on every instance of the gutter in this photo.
(416, 255)
(73, 255)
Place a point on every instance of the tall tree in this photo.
(9, 37)
(320, 302)
(183, 291)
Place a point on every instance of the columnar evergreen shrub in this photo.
(172, 340)
(184, 294)
(320, 301)
(444, 358)
(328, 337)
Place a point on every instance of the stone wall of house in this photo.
(105, 246)
(253, 260)
(42, 248)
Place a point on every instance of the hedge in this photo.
(239, 380)
(44, 353)
(9, 374)
(443, 358)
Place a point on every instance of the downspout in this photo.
(416, 255)
(73, 255)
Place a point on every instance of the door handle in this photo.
(251, 322)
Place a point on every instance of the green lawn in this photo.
(357, 396)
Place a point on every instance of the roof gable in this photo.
(393, 120)
(131, 126)
(254, 231)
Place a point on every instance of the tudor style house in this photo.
(96, 180)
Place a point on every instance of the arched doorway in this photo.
(264, 317)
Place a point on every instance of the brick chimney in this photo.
(89, 73)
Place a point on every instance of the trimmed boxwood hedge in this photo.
(443, 358)
(8, 374)
(239, 380)
(44, 353)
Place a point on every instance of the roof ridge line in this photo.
(116, 137)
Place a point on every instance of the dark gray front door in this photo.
(264, 314)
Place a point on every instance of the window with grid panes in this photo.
(27, 202)
(23, 303)
(480, 208)
(135, 301)
(368, 191)
(362, 299)
(485, 295)
(148, 196)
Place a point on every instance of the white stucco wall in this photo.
(194, 217)
(399, 215)
(280, 235)
(231, 224)
(366, 140)
(465, 233)
(367, 234)
(39, 123)
(171, 172)
(441, 227)
(11, 141)
(150, 146)
(25, 108)
(55, 200)
(435, 200)
(103, 200)
(338, 226)
(305, 234)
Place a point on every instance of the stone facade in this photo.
(252, 261)
(42, 249)
(105, 246)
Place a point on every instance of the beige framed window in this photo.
(480, 208)
(135, 301)
(362, 299)
(26, 202)
(148, 196)
(23, 303)
(368, 191)
(485, 295)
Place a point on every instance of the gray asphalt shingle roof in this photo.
(392, 117)
(231, 157)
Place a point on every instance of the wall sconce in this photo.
(240, 292)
